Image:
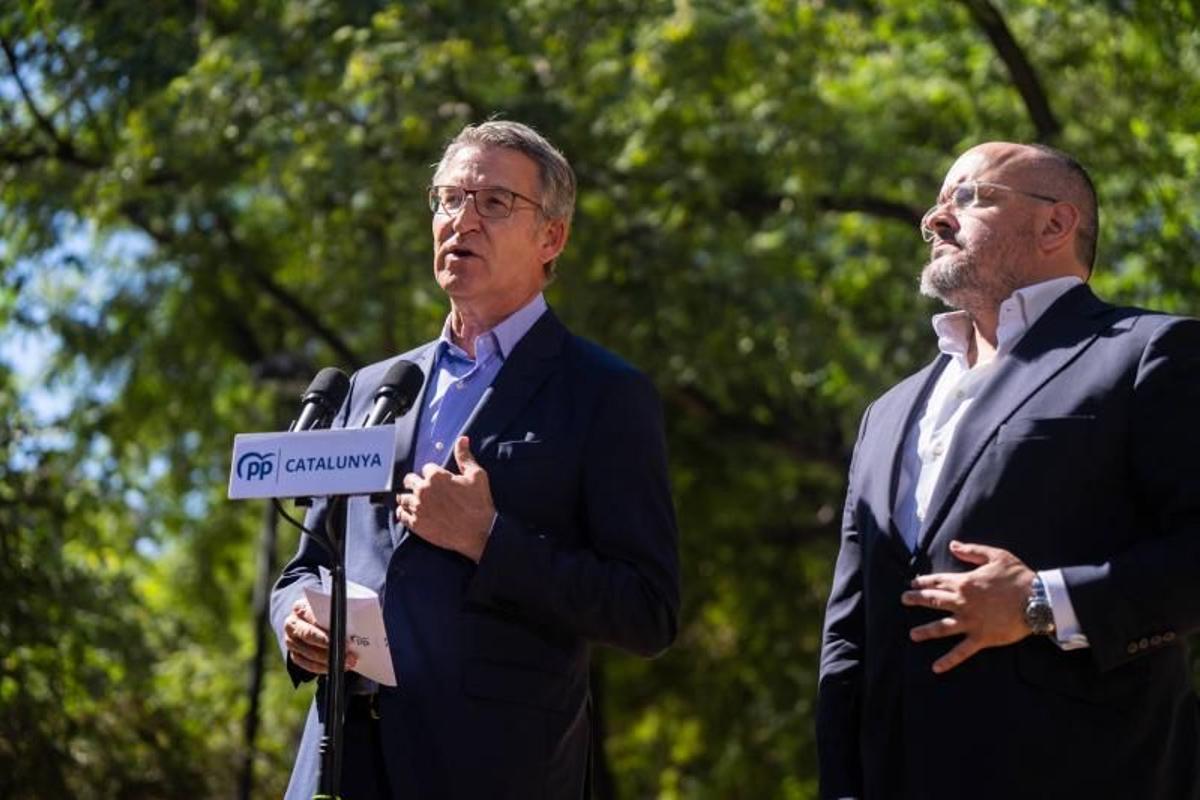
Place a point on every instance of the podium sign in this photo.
(346, 461)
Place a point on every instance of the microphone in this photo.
(396, 394)
(322, 399)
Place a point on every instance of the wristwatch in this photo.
(1038, 614)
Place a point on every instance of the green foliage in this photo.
(203, 204)
(80, 711)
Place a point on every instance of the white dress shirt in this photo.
(956, 390)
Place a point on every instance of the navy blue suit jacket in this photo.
(492, 659)
(1083, 453)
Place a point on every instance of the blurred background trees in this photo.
(203, 203)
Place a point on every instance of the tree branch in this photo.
(244, 343)
(827, 449)
(875, 206)
(40, 153)
(81, 93)
(255, 355)
(63, 146)
(1023, 75)
(289, 301)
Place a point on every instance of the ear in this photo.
(1058, 228)
(553, 238)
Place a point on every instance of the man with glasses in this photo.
(535, 518)
(1020, 556)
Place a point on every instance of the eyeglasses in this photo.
(967, 195)
(493, 202)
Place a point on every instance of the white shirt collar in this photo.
(1023, 307)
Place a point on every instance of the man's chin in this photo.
(940, 281)
(453, 282)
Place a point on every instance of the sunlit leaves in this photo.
(248, 179)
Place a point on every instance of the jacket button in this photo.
(1169, 636)
(1132, 648)
(1144, 643)
(1155, 640)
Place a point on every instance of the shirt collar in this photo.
(503, 337)
(1017, 314)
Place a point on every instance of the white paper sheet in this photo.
(365, 633)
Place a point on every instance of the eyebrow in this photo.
(944, 193)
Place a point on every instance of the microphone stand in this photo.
(335, 679)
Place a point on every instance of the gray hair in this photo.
(557, 179)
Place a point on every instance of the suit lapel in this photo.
(528, 365)
(406, 426)
(904, 409)
(406, 440)
(1056, 339)
(525, 369)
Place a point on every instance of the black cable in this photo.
(320, 538)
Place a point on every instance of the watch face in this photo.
(1039, 617)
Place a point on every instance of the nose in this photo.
(939, 222)
(466, 220)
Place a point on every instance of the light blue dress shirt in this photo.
(457, 381)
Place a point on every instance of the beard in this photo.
(966, 279)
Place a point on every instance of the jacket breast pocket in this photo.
(537, 480)
(524, 449)
(1056, 429)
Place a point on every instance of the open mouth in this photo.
(459, 251)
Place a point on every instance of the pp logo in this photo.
(255, 466)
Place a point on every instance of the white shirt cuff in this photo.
(1067, 633)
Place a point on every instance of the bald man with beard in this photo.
(1020, 553)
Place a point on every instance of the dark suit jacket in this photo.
(1083, 453)
(492, 659)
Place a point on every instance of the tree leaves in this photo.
(203, 205)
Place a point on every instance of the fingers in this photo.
(320, 666)
(304, 611)
(975, 553)
(957, 655)
(412, 481)
(939, 599)
(938, 580)
(307, 642)
(938, 629)
(463, 456)
(406, 504)
(302, 623)
(406, 510)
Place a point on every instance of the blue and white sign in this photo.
(313, 463)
